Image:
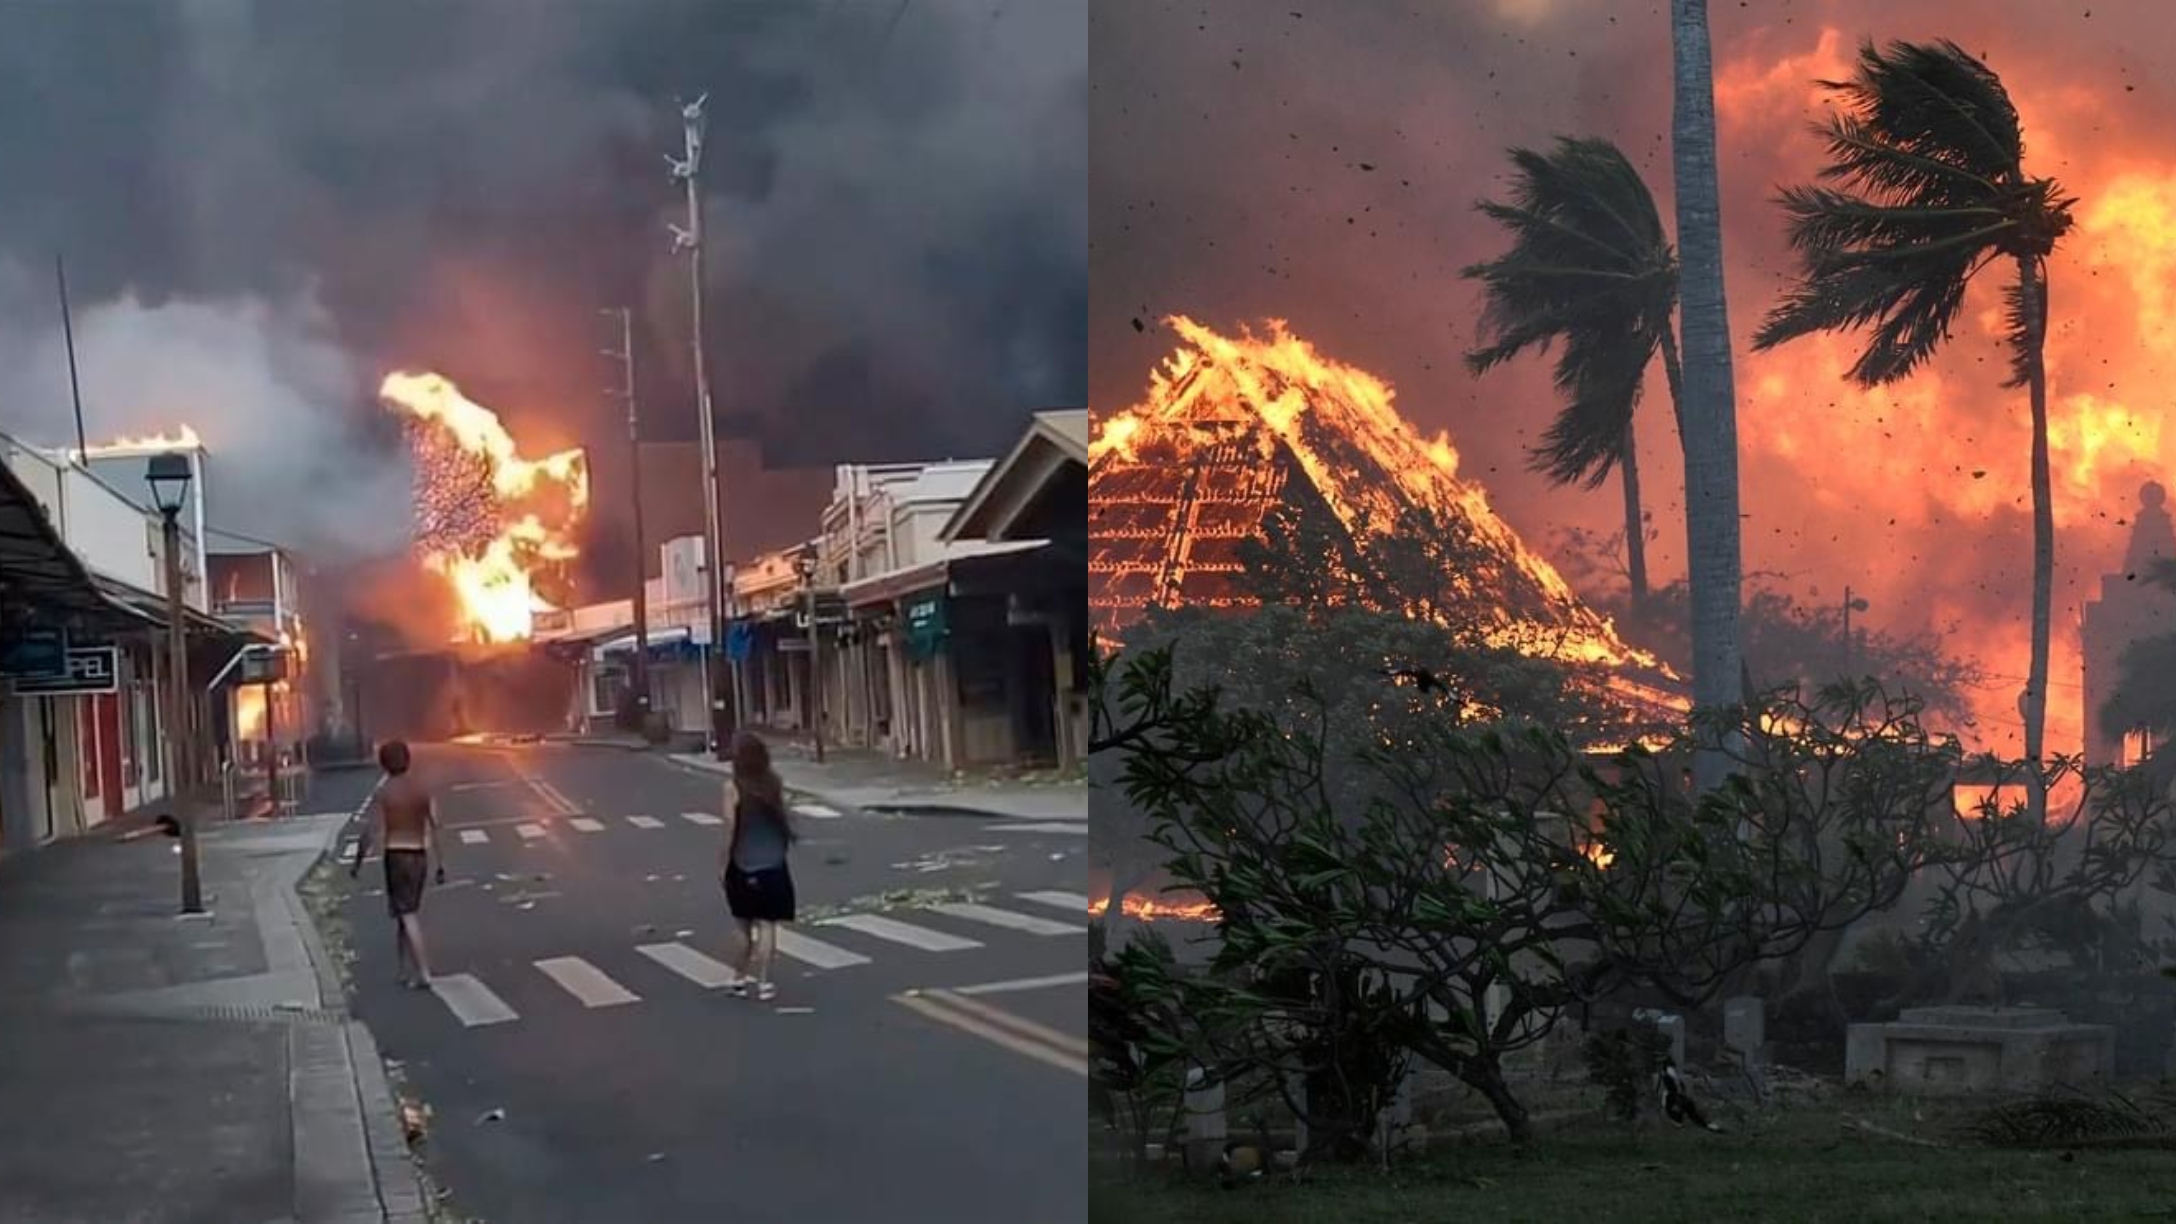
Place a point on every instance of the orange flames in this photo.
(1153, 909)
(521, 518)
(1312, 405)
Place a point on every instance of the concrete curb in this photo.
(347, 1129)
(720, 772)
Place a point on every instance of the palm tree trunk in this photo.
(2033, 289)
(1635, 529)
(1710, 429)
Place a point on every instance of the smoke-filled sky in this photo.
(1319, 162)
(265, 206)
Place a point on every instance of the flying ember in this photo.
(487, 519)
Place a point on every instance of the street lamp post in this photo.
(168, 475)
(1850, 605)
(815, 657)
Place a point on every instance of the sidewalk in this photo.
(170, 1069)
(866, 781)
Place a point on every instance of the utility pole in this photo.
(689, 169)
(815, 658)
(639, 675)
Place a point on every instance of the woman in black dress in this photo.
(752, 862)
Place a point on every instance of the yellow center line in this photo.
(944, 1009)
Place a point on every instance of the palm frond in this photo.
(1599, 375)
(1927, 152)
(1588, 267)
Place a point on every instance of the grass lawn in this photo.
(1799, 1165)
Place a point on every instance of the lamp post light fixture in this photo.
(168, 475)
(807, 566)
(1850, 605)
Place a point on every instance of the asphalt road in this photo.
(930, 1071)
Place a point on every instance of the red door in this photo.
(109, 753)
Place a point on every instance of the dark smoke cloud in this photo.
(896, 198)
(1319, 162)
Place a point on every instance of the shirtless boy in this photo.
(408, 826)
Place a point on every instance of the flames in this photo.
(488, 520)
(1155, 909)
(1341, 426)
(183, 439)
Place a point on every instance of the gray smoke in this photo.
(285, 201)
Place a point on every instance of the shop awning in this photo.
(129, 607)
(898, 584)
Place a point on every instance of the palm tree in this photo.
(1707, 403)
(1589, 266)
(1929, 157)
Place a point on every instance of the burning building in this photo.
(494, 533)
(1234, 429)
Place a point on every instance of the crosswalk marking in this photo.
(587, 824)
(1074, 901)
(474, 837)
(816, 952)
(470, 1001)
(529, 832)
(586, 982)
(901, 932)
(816, 811)
(1076, 827)
(690, 964)
(701, 818)
(646, 822)
(1030, 923)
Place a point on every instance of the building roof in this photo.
(1053, 441)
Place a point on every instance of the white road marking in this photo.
(470, 1001)
(474, 837)
(646, 822)
(586, 824)
(816, 811)
(901, 932)
(1007, 919)
(1074, 901)
(816, 952)
(586, 982)
(529, 832)
(1077, 827)
(1018, 984)
(701, 818)
(690, 964)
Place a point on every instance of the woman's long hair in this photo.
(754, 777)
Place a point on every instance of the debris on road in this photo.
(491, 1115)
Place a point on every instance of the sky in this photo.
(1319, 163)
(266, 206)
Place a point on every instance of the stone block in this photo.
(1745, 1024)
(1961, 1050)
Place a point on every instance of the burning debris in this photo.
(487, 519)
